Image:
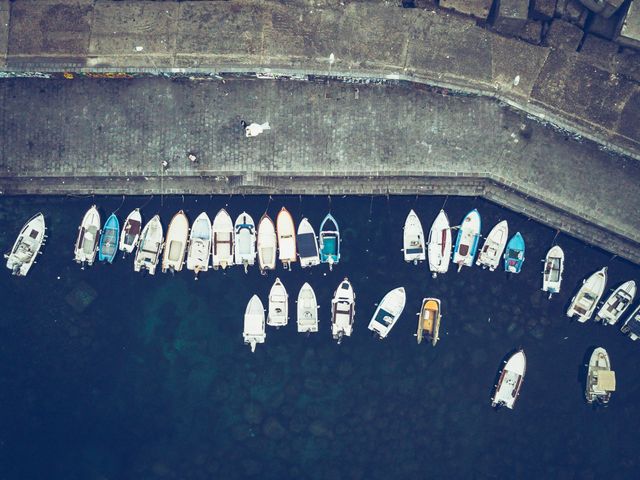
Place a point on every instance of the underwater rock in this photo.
(537, 332)
(253, 413)
(81, 297)
(319, 429)
(160, 469)
(345, 369)
(273, 429)
(473, 329)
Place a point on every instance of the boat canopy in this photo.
(606, 381)
(307, 245)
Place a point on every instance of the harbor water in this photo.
(109, 374)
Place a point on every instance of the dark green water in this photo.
(152, 380)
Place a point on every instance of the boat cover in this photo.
(606, 381)
(329, 245)
(307, 245)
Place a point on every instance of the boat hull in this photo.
(343, 311)
(199, 250)
(307, 310)
(149, 247)
(413, 245)
(467, 240)
(600, 378)
(307, 245)
(286, 232)
(617, 303)
(585, 301)
(278, 315)
(254, 331)
(176, 243)
(267, 244)
(131, 231)
(429, 319)
(514, 256)
(329, 241)
(510, 381)
(109, 239)
(88, 237)
(553, 269)
(388, 312)
(222, 243)
(245, 241)
(491, 252)
(439, 244)
(27, 246)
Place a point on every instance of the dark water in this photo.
(152, 379)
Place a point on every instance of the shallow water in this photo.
(152, 380)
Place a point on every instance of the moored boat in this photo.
(307, 245)
(510, 381)
(109, 239)
(467, 240)
(514, 256)
(429, 320)
(493, 247)
(617, 303)
(286, 232)
(149, 247)
(329, 240)
(254, 324)
(553, 268)
(343, 311)
(176, 243)
(584, 302)
(439, 244)
(199, 250)
(601, 380)
(388, 312)
(631, 326)
(413, 245)
(27, 246)
(88, 236)
(245, 241)
(307, 310)
(131, 232)
(267, 244)
(222, 244)
(278, 315)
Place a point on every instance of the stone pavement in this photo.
(86, 136)
(594, 93)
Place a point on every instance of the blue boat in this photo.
(514, 256)
(329, 241)
(109, 239)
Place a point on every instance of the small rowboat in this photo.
(267, 244)
(343, 311)
(467, 241)
(222, 244)
(245, 245)
(88, 235)
(329, 239)
(413, 239)
(27, 246)
(510, 381)
(429, 320)
(199, 244)
(493, 247)
(131, 232)
(278, 315)
(585, 301)
(439, 248)
(553, 268)
(388, 312)
(176, 243)
(109, 239)
(307, 310)
(254, 324)
(286, 231)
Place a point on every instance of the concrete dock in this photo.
(86, 136)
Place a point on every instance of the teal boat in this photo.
(514, 257)
(109, 239)
(329, 241)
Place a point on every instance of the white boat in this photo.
(388, 312)
(267, 244)
(245, 241)
(439, 244)
(27, 246)
(278, 315)
(286, 238)
(553, 268)
(199, 250)
(601, 380)
(176, 243)
(149, 247)
(307, 243)
(493, 247)
(631, 326)
(343, 311)
(413, 239)
(510, 381)
(254, 325)
(88, 237)
(585, 301)
(222, 244)
(307, 310)
(466, 246)
(131, 232)
(617, 303)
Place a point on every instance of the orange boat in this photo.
(429, 320)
